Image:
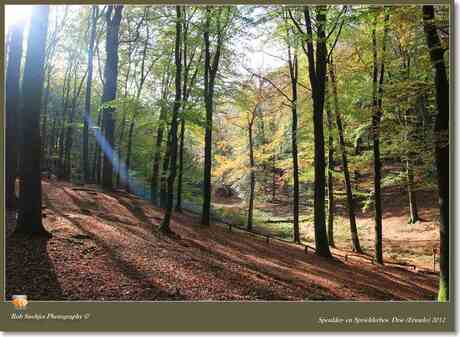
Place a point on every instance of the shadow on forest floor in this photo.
(108, 247)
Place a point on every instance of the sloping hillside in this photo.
(108, 247)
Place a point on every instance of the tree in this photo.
(346, 172)
(294, 75)
(175, 113)
(441, 137)
(211, 65)
(317, 66)
(155, 178)
(188, 58)
(30, 189)
(12, 98)
(330, 170)
(92, 38)
(377, 99)
(113, 19)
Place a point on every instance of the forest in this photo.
(237, 152)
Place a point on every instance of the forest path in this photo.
(106, 246)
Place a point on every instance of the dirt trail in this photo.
(107, 247)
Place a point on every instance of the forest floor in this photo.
(106, 246)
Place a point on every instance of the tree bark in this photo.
(128, 154)
(30, 193)
(155, 181)
(356, 247)
(181, 165)
(110, 89)
(330, 170)
(69, 130)
(176, 107)
(293, 70)
(317, 75)
(164, 172)
(441, 136)
(12, 97)
(252, 175)
(211, 65)
(89, 79)
(377, 116)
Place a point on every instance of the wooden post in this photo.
(306, 249)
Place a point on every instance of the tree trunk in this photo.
(330, 170)
(164, 172)
(30, 193)
(128, 154)
(413, 209)
(377, 115)
(252, 175)
(409, 162)
(181, 165)
(69, 130)
(110, 90)
(155, 181)
(12, 97)
(441, 136)
(211, 65)
(89, 79)
(44, 127)
(205, 216)
(97, 153)
(176, 107)
(356, 247)
(317, 75)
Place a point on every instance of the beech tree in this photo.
(12, 98)
(441, 137)
(30, 188)
(317, 67)
(174, 118)
(89, 78)
(112, 19)
(378, 76)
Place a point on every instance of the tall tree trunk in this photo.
(409, 138)
(128, 153)
(155, 180)
(377, 116)
(273, 178)
(317, 75)
(441, 136)
(211, 65)
(356, 247)
(181, 165)
(12, 97)
(30, 193)
(44, 127)
(252, 175)
(293, 70)
(330, 170)
(89, 79)
(97, 153)
(176, 107)
(164, 172)
(205, 216)
(110, 89)
(61, 136)
(69, 129)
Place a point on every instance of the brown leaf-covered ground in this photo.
(108, 247)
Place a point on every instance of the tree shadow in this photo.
(150, 289)
(29, 270)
